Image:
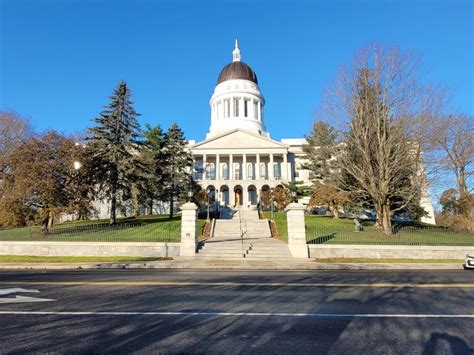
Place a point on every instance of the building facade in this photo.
(238, 159)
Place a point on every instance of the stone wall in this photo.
(388, 251)
(89, 249)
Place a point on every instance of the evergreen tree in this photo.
(115, 145)
(176, 166)
(153, 157)
(320, 151)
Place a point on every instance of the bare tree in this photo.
(13, 130)
(382, 101)
(453, 141)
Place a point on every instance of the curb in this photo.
(234, 265)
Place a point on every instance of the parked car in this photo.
(469, 261)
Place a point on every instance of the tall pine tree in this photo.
(176, 165)
(154, 160)
(115, 144)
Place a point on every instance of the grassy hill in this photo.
(142, 229)
(327, 230)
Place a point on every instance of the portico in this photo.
(236, 171)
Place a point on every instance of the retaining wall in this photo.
(89, 249)
(388, 251)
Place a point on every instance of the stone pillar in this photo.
(218, 167)
(244, 167)
(204, 167)
(284, 169)
(257, 167)
(271, 176)
(189, 233)
(231, 167)
(296, 230)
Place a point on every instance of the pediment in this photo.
(238, 139)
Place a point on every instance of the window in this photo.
(249, 171)
(263, 170)
(212, 171)
(225, 171)
(255, 110)
(227, 108)
(246, 108)
(276, 170)
(236, 107)
(237, 171)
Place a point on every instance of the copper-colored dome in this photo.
(237, 70)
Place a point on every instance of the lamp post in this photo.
(271, 194)
(208, 201)
(190, 195)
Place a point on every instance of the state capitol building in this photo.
(238, 159)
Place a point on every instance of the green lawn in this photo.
(143, 229)
(327, 230)
(72, 259)
(280, 220)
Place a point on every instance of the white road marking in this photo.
(239, 314)
(9, 291)
(20, 299)
(23, 299)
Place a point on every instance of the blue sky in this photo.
(61, 59)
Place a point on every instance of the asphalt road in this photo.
(217, 311)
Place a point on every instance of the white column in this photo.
(231, 195)
(244, 167)
(259, 110)
(241, 107)
(257, 167)
(189, 233)
(284, 168)
(204, 167)
(218, 167)
(296, 230)
(270, 169)
(231, 107)
(231, 167)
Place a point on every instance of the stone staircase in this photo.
(243, 236)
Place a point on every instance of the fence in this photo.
(402, 235)
(100, 232)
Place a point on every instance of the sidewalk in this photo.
(234, 264)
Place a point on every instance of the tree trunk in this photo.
(171, 207)
(113, 207)
(50, 221)
(150, 206)
(378, 220)
(386, 222)
(334, 211)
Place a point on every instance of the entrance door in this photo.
(238, 197)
